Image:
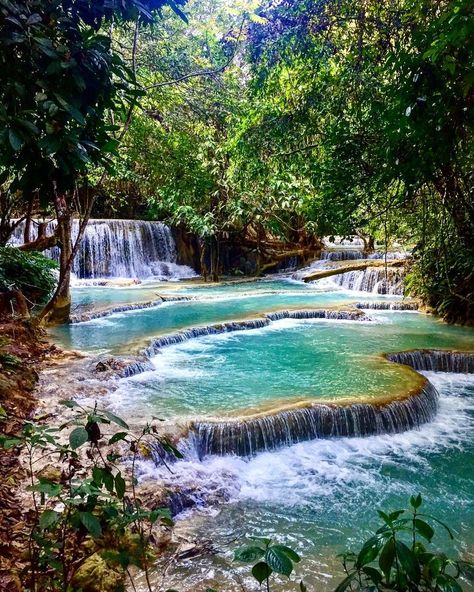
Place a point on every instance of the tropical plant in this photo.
(397, 557)
(271, 558)
(32, 274)
(86, 519)
(60, 79)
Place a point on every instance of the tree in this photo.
(60, 77)
(372, 102)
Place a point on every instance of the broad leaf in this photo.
(91, 523)
(248, 553)
(78, 437)
(278, 561)
(261, 571)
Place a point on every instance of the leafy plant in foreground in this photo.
(271, 558)
(397, 558)
(87, 521)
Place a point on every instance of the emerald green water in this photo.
(287, 361)
(319, 497)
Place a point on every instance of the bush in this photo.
(30, 273)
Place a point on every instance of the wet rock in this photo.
(97, 575)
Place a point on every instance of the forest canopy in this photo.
(273, 120)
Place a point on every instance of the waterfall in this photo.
(245, 325)
(373, 280)
(334, 315)
(351, 255)
(246, 437)
(436, 360)
(186, 335)
(84, 316)
(121, 249)
(387, 305)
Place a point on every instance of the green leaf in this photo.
(261, 571)
(415, 502)
(278, 561)
(48, 518)
(78, 437)
(117, 437)
(408, 561)
(115, 419)
(387, 557)
(448, 583)
(120, 485)
(424, 528)
(369, 551)
(68, 403)
(288, 552)
(372, 573)
(108, 479)
(15, 140)
(248, 553)
(91, 523)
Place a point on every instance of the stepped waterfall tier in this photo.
(289, 415)
(372, 279)
(121, 249)
(270, 431)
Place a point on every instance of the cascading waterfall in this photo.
(85, 316)
(245, 437)
(387, 305)
(334, 315)
(352, 255)
(245, 325)
(372, 279)
(435, 360)
(194, 332)
(121, 249)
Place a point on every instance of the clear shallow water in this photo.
(124, 332)
(287, 361)
(321, 497)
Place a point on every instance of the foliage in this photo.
(397, 556)
(85, 504)
(271, 557)
(30, 273)
(59, 78)
(372, 104)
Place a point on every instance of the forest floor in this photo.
(24, 350)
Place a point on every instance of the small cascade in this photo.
(335, 315)
(353, 255)
(136, 367)
(372, 280)
(436, 360)
(121, 249)
(245, 437)
(387, 305)
(85, 316)
(194, 332)
(186, 335)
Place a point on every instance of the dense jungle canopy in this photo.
(272, 119)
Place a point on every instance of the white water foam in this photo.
(309, 471)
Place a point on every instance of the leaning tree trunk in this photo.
(58, 309)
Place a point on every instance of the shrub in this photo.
(30, 273)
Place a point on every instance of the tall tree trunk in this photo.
(27, 231)
(202, 259)
(58, 309)
(214, 245)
